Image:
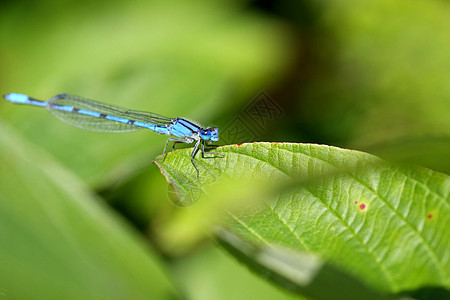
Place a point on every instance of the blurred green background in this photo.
(366, 75)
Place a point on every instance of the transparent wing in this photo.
(67, 108)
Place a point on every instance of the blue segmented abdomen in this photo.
(96, 116)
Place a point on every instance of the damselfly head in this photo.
(210, 134)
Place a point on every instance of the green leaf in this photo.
(58, 241)
(384, 224)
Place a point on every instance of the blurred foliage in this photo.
(368, 75)
(375, 73)
(59, 241)
(212, 274)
